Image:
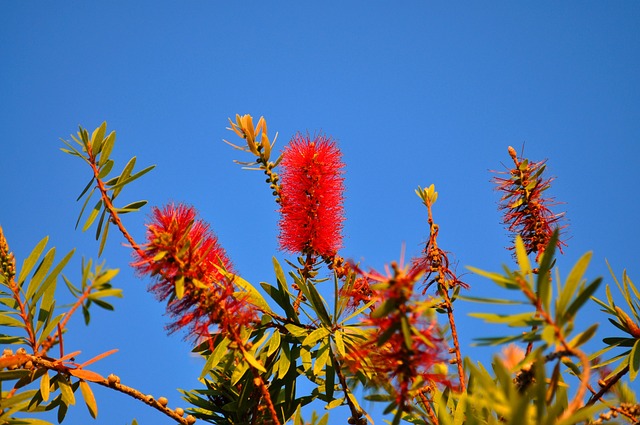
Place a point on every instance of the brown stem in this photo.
(112, 210)
(454, 336)
(111, 382)
(24, 314)
(356, 414)
(610, 383)
(577, 401)
(428, 408)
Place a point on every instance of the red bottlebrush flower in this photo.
(311, 201)
(404, 346)
(526, 211)
(184, 257)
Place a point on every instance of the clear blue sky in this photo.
(415, 92)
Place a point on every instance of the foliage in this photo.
(320, 318)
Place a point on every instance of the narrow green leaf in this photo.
(121, 183)
(96, 139)
(522, 257)
(385, 308)
(85, 189)
(634, 361)
(65, 390)
(214, 358)
(499, 279)
(30, 261)
(84, 206)
(582, 298)
(254, 297)
(284, 362)
(490, 300)
(315, 336)
(103, 240)
(41, 272)
(254, 362)
(305, 356)
(92, 216)
(337, 337)
(106, 276)
(45, 385)
(105, 169)
(572, 282)
(134, 206)
(51, 279)
(107, 147)
(321, 359)
(89, 399)
(50, 327)
(318, 304)
(583, 337)
(274, 342)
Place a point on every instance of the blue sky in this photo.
(415, 93)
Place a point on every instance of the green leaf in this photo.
(134, 206)
(103, 240)
(41, 272)
(274, 342)
(84, 206)
(218, 353)
(519, 319)
(572, 282)
(385, 308)
(105, 277)
(317, 302)
(284, 362)
(522, 257)
(51, 279)
(318, 334)
(634, 361)
(50, 327)
(321, 359)
(30, 261)
(105, 169)
(92, 216)
(582, 298)
(122, 181)
(254, 297)
(583, 337)
(107, 147)
(96, 139)
(89, 399)
(499, 279)
(490, 300)
(65, 390)
(337, 337)
(254, 362)
(45, 385)
(85, 189)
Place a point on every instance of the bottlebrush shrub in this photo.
(390, 336)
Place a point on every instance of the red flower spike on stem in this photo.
(312, 197)
(184, 257)
(526, 211)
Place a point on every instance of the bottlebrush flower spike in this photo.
(311, 201)
(526, 211)
(184, 257)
